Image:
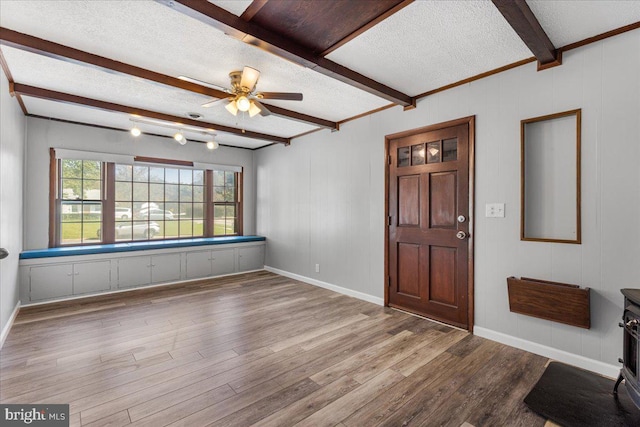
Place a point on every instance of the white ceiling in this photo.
(424, 46)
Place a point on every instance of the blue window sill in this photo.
(136, 246)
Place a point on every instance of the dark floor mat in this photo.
(570, 396)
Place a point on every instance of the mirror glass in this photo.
(550, 178)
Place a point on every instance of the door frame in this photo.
(470, 120)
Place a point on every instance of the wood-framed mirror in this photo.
(550, 178)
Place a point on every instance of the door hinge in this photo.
(389, 281)
(389, 159)
(389, 220)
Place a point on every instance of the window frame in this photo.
(108, 200)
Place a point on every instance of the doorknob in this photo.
(461, 235)
(3, 253)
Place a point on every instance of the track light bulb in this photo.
(212, 145)
(180, 138)
(135, 131)
(243, 103)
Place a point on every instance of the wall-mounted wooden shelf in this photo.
(559, 302)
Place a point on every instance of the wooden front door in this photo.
(429, 247)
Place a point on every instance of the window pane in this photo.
(141, 173)
(171, 176)
(173, 208)
(124, 191)
(230, 178)
(70, 232)
(91, 169)
(140, 191)
(124, 230)
(186, 228)
(433, 152)
(198, 228)
(71, 189)
(404, 157)
(124, 211)
(230, 226)
(156, 174)
(229, 194)
(230, 211)
(186, 176)
(186, 193)
(198, 194)
(70, 211)
(172, 192)
(218, 178)
(124, 172)
(218, 211)
(450, 150)
(417, 154)
(171, 229)
(92, 190)
(218, 194)
(186, 210)
(72, 168)
(156, 192)
(91, 211)
(90, 232)
(198, 210)
(198, 177)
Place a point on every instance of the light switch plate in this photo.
(494, 210)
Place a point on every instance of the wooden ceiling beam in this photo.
(521, 18)
(274, 43)
(52, 95)
(50, 49)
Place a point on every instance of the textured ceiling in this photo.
(426, 45)
(443, 41)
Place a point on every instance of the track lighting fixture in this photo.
(135, 130)
(180, 128)
(179, 136)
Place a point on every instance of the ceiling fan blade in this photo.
(203, 83)
(250, 78)
(211, 103)
(264, 111)
(287, 96)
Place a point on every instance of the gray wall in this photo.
(321, 200)
(12, 141)
(44, 134)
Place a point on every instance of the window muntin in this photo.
(80, 201)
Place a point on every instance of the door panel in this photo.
(409, 197)
(442, 207)
(442, 275)
(409, 269)
(428, 246)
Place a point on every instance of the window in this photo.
(158, 203)
(143, 202)
(80, 202)
(225, 203)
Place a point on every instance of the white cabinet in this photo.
(61, 280)
(251, 258)
(144, 270)
(216, 262)
(51, 278)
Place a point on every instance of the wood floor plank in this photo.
(258, 349)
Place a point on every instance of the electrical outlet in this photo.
(317, 268)
(494, 210)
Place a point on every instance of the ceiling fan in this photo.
(243, 95)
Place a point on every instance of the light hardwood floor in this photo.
(259, 349)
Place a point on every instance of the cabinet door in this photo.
(91, 277)
(134, 271)
(51, 281)
(251, 258)
(223, 261)
(165, 268)
(198, 264)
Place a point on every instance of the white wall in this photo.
(12, 141)
(44, 134)
(321, 200)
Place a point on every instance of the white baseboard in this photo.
(7, 327)
(601, 368)
(325, 285)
